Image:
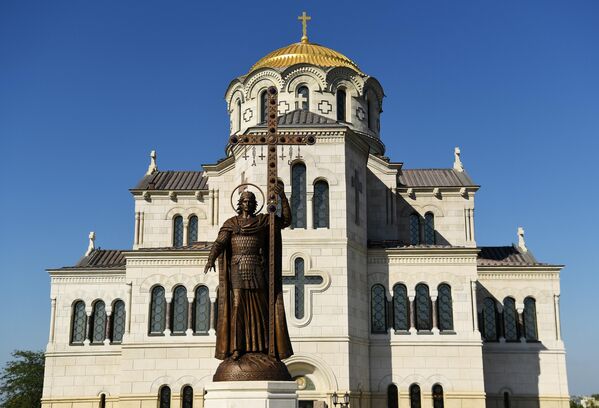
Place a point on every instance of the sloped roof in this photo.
(173, 180)
(196, 246)
(435, 178)
(400, 244)
(302, 117)
(505, 256)
(101, 259)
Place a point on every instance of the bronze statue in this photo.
(242, 330)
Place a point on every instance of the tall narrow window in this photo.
(341, 100)
(303, 98)
(187, 397)
(238, 115)
(392, 396)
(118, 321)
(192, 230)
(79, 323)
(506, 400)
(401, 308)
(201, 311)
(424, 316)
(445, 307)
(179, 310)
(178, 231)
(164, 397)
(102, 400)
(414, 229)
(157, 311)
(298, 195)
(429, 228)
(98, 323)
(437, 396)
(510, 319)
(415, 396)
(369, 116)
(321, 204)
(263, 106)
(378, 305)
(530, 319)
(489, 320)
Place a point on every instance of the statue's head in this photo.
(247, 202)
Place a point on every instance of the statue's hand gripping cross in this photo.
(272, 139)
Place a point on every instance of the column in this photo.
(189, 331)
(473, 305)
(216, 207)
(137, 220)
(412, 315)
(185, 226)
(558, 326)
(52, 319)
(129, 297)
(310, 209)
(435, 328)
(211, 207)
(108, 326)
(212, 330)
(520, 310)
(501, 324)
(88, 322)
(142, 219)
(167, 326)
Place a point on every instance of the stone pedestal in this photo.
(251, 394)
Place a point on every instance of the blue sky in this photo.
(87, 89)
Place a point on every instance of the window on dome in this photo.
(179, 310)
(79, 323)
(157, 311)
(414, 229)
(102, 400)
(530, 319)
(489, 320)
(321, 204)
(510, 319)
(401, 308)
(263, 106)
(444, 307)
(422, 303)
(201, 311)
(506, 400)
(98, 323)
(118, 322)
(341, 101)
(415, 396)
(303, 98)
(392, 396)
(178, 231)
(187, 397)
(378, 305)
(164, 397)
(192, 230)
(429, 228)
(298, 196)
(437, 396)
(238, 113)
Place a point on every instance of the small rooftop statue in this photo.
(153, 167)
(521, 243)
(91, 246)
(457, 162)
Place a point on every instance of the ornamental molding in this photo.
(317, 75)
(268, 74)
(337, 75)
(232, 91)
(248, 114)
(88, 279)
(517, 275)
(416, 260)
(196, 261)
(324, 107)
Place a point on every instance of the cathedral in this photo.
(389, 300)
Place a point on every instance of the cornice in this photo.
(219, 168)
(88, 279)
(466, 256)
(87, 273)
(518, 275)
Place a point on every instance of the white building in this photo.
(388, 296)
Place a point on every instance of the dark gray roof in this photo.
(303, 117)
(388, 244)
(196, 246)
(101, 258)
(435, 178)
(505, 256)
(173, 180)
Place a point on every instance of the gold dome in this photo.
(305, 53)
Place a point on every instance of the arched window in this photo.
(78, 323)
(370, 117)
(392, 396)
(530, 319)
(238, 113)
(422, 302)
(321, 204)
(298, 196)
(201, 311)
(98, 323)
(303, 98)
(164, 397)
(510, 319)
(118, 321)
(414, 229)
(192, 230)
(187, 397)
(401, 308)
(157, 311)
(263, 106)
(178, 231)
(429, 228)
(341, 101)
(437, 396)
(378, 306)
(506, 400)
(415, 396)
(102, 400)
(445, 307)
(179, 310)
(489, 320)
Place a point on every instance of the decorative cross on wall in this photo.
(357, 185)
(300, 100)
(299, 280)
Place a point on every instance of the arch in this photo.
(489, 317)
(437, 391)
(414, 228)
(117, 322)
(262, 78)
(201, 310)
(444, 307)
(304, 92)
(342, 76)
(192, 229)
(187, 397)
(510, 319)
(157, 321)
(320, 204)
(378, 309)
(179, 310)
(319, 371)
(178, 231)
(238, 115)
(423, 308)
(314, 77)
(373, 86)
(429, 228)
(185, 213)
(298, 195)
(78, 322)
(164, 397)
(98, 322)
(401, 308)
(415, 398)
(529, 318)
(235, 86)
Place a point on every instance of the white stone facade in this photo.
(372, 202)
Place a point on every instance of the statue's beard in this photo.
(251, 209)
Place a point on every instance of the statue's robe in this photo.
(253, 313)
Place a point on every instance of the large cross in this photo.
(272, 139)
(304, 19)
(299, 280)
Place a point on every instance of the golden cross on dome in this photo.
(304, 18)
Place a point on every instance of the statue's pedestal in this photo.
(251, 394)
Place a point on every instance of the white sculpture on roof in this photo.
(457, 162)
(521, 242)
(91, 246)
(153, 167)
